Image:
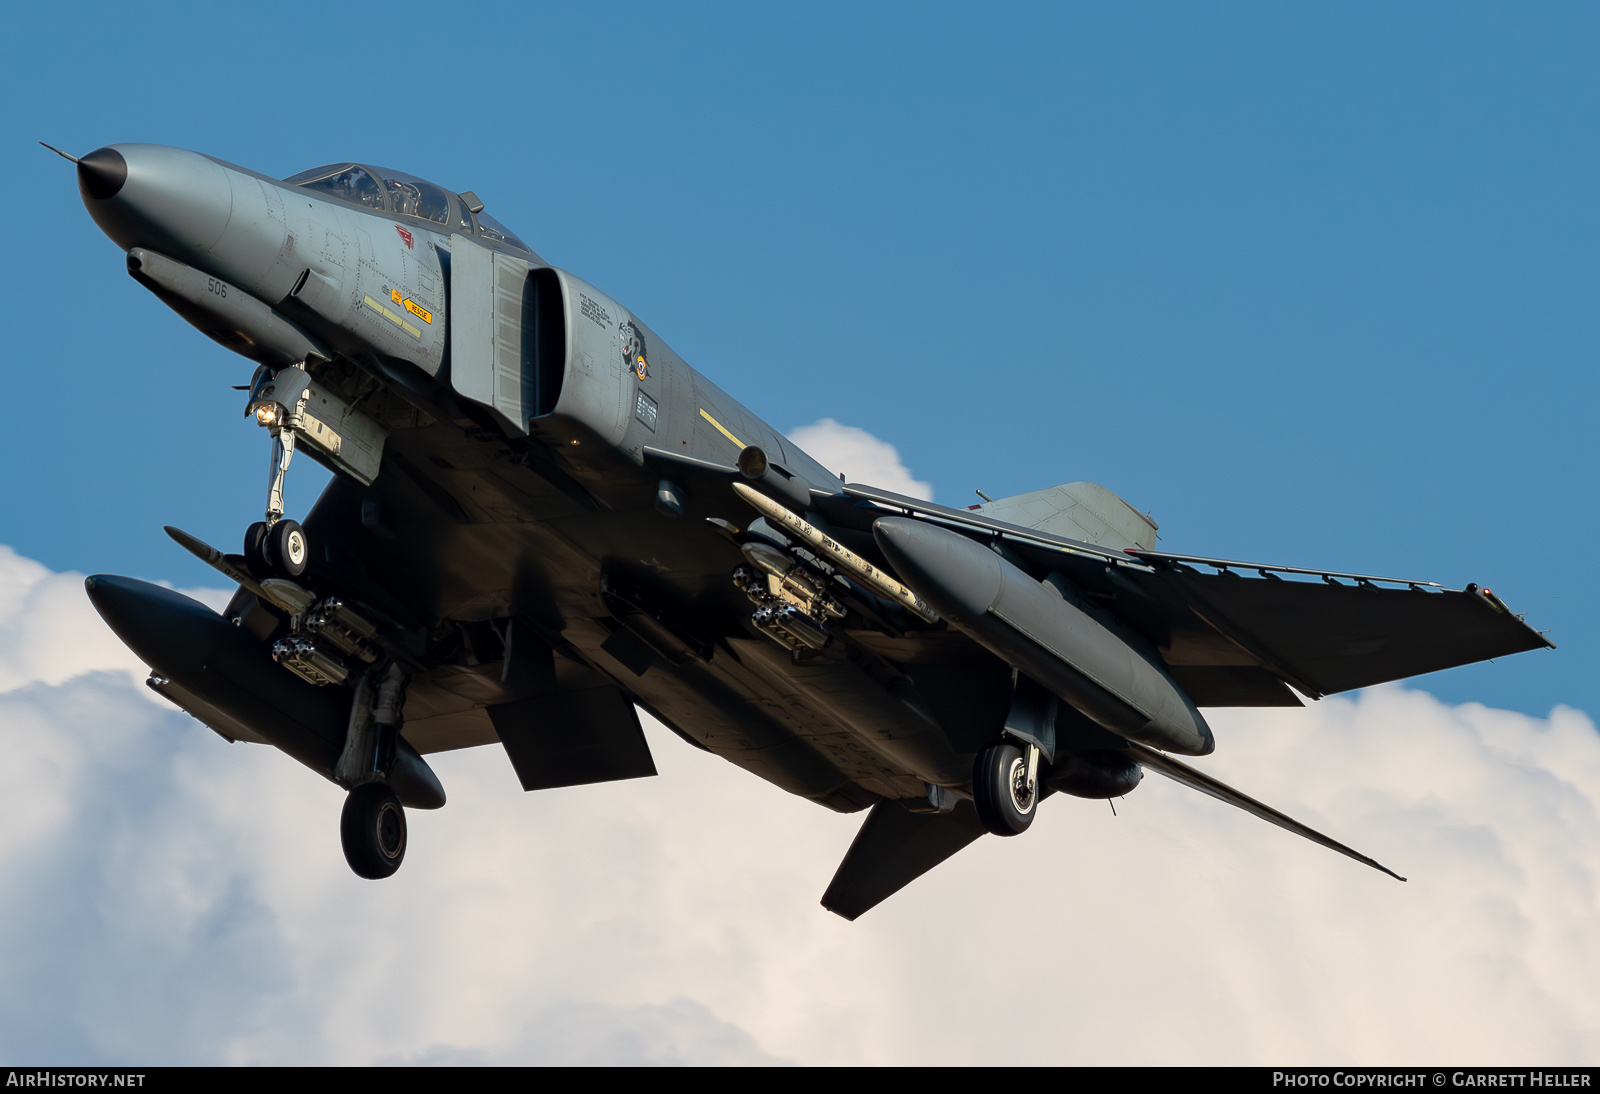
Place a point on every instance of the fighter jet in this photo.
(542, 520)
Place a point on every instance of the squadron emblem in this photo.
(633, 350)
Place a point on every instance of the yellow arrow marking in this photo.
(411, 306)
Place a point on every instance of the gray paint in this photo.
(1030, 624)
(1076, 510)
(603, 529)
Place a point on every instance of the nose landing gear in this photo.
(279, 548)
(275, 545)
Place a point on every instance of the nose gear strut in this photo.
(277, 400)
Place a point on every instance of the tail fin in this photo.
(1077, 510)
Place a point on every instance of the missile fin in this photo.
(218, 561)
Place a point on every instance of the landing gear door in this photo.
(490, 305)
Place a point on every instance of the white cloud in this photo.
(587, 1034)
(49, 632)
(171, 898)
(860, 456)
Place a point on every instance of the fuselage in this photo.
(532, 501)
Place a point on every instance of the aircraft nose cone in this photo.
(169, 200)
(169, 632)
(101, 174)
(960, 578)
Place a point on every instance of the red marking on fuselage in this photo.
(405, 234)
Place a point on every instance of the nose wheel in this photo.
(281, 548)
(373, 831)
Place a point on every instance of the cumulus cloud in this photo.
(171, 898)
(587, 1034)
(48, 629)
(859, 456)
(49, 632)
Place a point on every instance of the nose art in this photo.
(101, 173)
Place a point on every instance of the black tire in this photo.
(288, 548)
(255, 550)
(373, 831)
(999, 790)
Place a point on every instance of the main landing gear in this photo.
(373, 831)
(372, 827)
(1005, 787)
(1005, 776)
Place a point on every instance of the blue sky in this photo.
(1316, 285)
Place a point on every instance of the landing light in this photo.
(267, 415)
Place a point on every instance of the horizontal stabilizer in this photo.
(1199, 780)
(892, 850)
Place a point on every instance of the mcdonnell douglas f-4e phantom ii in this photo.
(541, 519)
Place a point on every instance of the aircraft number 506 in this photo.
(218, 287)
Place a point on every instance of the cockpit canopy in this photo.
(397, 192)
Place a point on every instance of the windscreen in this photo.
(345, 181)
(399, 192)
(414, 197)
